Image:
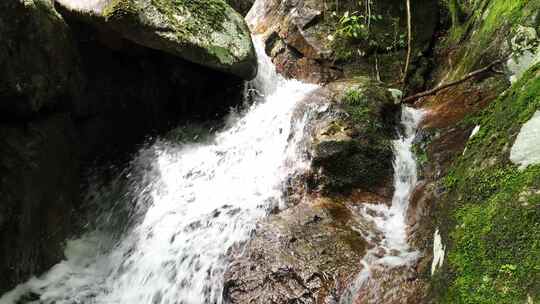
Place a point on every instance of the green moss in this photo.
(496, 244)
(488, 25)
(365, 107)
(357, 152)
(118, 9)
(490, 213)
(188, 16)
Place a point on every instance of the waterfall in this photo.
(392, 250)
(193, 203)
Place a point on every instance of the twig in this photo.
(368, 7)
(409, 35)
(472, 74)
(378, 74)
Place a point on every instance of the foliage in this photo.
(355, 25)
(357, 104)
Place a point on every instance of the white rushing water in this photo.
(197, 202)
(393, 250)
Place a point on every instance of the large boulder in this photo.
(39, 189)
(38, 60)
(312, 252)
(208, 32)
(351, 146)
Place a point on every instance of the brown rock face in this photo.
(306, 254)
(311, 252)
(303, 39)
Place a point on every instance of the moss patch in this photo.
(490, 213)
(355, 149)
(487, 27)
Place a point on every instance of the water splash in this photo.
(195, 202)
(392, 250)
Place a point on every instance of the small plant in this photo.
(352, 26)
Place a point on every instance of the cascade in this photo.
(192, 203)
(391, 249)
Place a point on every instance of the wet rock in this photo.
(398, 285)
(352, 142)
(209, 32)
(39, 187)
(39, 66)
(314, 268)
(311, 252)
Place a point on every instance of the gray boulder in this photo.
(206, 32)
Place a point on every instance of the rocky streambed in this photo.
(318, 187)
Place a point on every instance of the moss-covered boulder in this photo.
(208, 32)
(489, 215)
(352, 145)
(38, 60)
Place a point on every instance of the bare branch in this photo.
(409, 35)
(488, 68)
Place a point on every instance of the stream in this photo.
(190, 204)
(193, 203)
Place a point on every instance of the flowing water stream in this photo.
(190, 204)
(194, 203)
(391, 250)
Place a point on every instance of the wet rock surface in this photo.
(306, 254)
(351, 144)
(34, 36)
(311, 252)
(39, 190)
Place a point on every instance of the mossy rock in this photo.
(489, 215)
(352, 149)
(39, 65)
(481, 30)
(206, 32)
